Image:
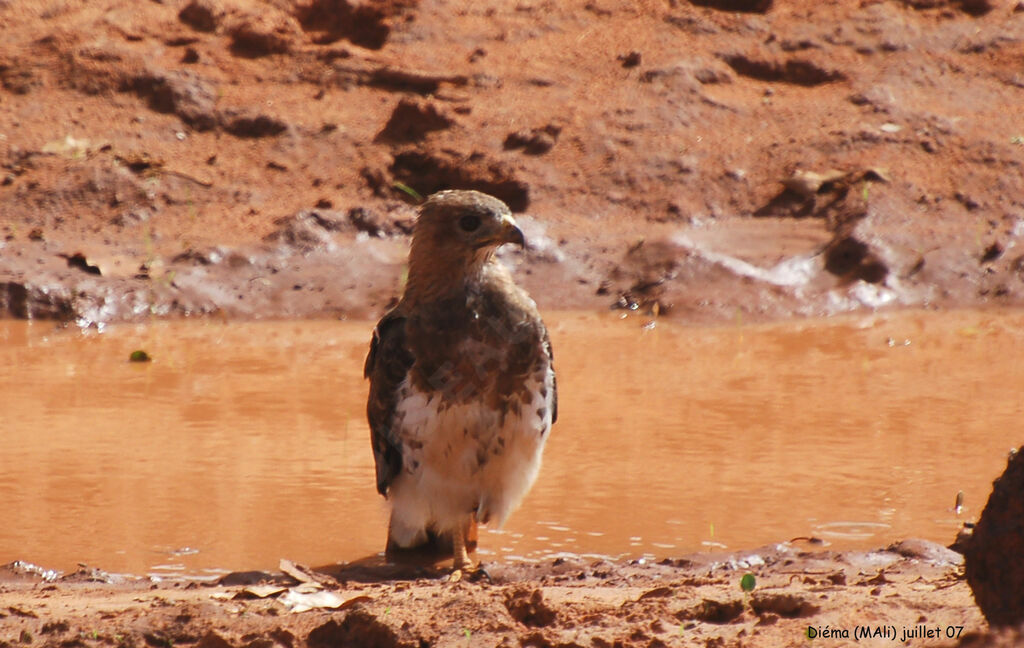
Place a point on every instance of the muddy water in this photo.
(244, 443)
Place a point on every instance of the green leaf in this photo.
(748, 583)
(404, 188)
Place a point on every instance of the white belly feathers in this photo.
(466, 457)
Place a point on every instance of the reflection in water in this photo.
(244, 443)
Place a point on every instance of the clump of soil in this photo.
(993, 555)
(528, 607)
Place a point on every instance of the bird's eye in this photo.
(469, 222)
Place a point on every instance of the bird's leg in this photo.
(461, 555)
(462, 566)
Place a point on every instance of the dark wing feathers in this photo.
(554, 377)
(387, 365)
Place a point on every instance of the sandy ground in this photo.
(705, 160)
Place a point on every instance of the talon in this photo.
(477, 574)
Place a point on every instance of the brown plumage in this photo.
(462, 388)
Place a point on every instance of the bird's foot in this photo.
(470, 572)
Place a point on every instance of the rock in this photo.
(412, 119)
(17, 76)
(994, 568)
(262, 34)
(367, 24)
(795, 71)
(55, 627)
(919, 549)
(536, 141)
(632, 59)
(81, 262)
(202, 15)
(710, 75)
(213, 640)
(741, 6)
(410, 80)
(370, 221)
(305, 231)
(712, 611)
(788, 606)
(850, 258)
(428, 172)
(180, 92)
(235, 579)
(970, 7)
(359, 628)
(976, 7)
(26, 301)
(253, 125)
(992, 252)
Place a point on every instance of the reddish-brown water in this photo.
(244, 443)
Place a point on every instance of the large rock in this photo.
(994, 567)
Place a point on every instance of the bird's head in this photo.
(466, 222)
(455, 237)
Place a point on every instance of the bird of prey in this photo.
(462, 387)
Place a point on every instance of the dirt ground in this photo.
(912, 593)
(704, 160)
(717, 159)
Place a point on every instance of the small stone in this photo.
(201, 15)
(630, 60)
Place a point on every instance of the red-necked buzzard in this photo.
(462, 388)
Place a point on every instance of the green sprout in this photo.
(748, 582)
(139, 356)
(406, 189)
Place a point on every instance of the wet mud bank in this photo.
(319, 265)
(793, 589)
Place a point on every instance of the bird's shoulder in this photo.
(388, 349)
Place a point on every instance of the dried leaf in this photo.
(807, 183)
(298, 572)
(297, 601)
(260, 591)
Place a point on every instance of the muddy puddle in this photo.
(244, 443)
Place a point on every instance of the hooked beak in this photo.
(510, 232)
